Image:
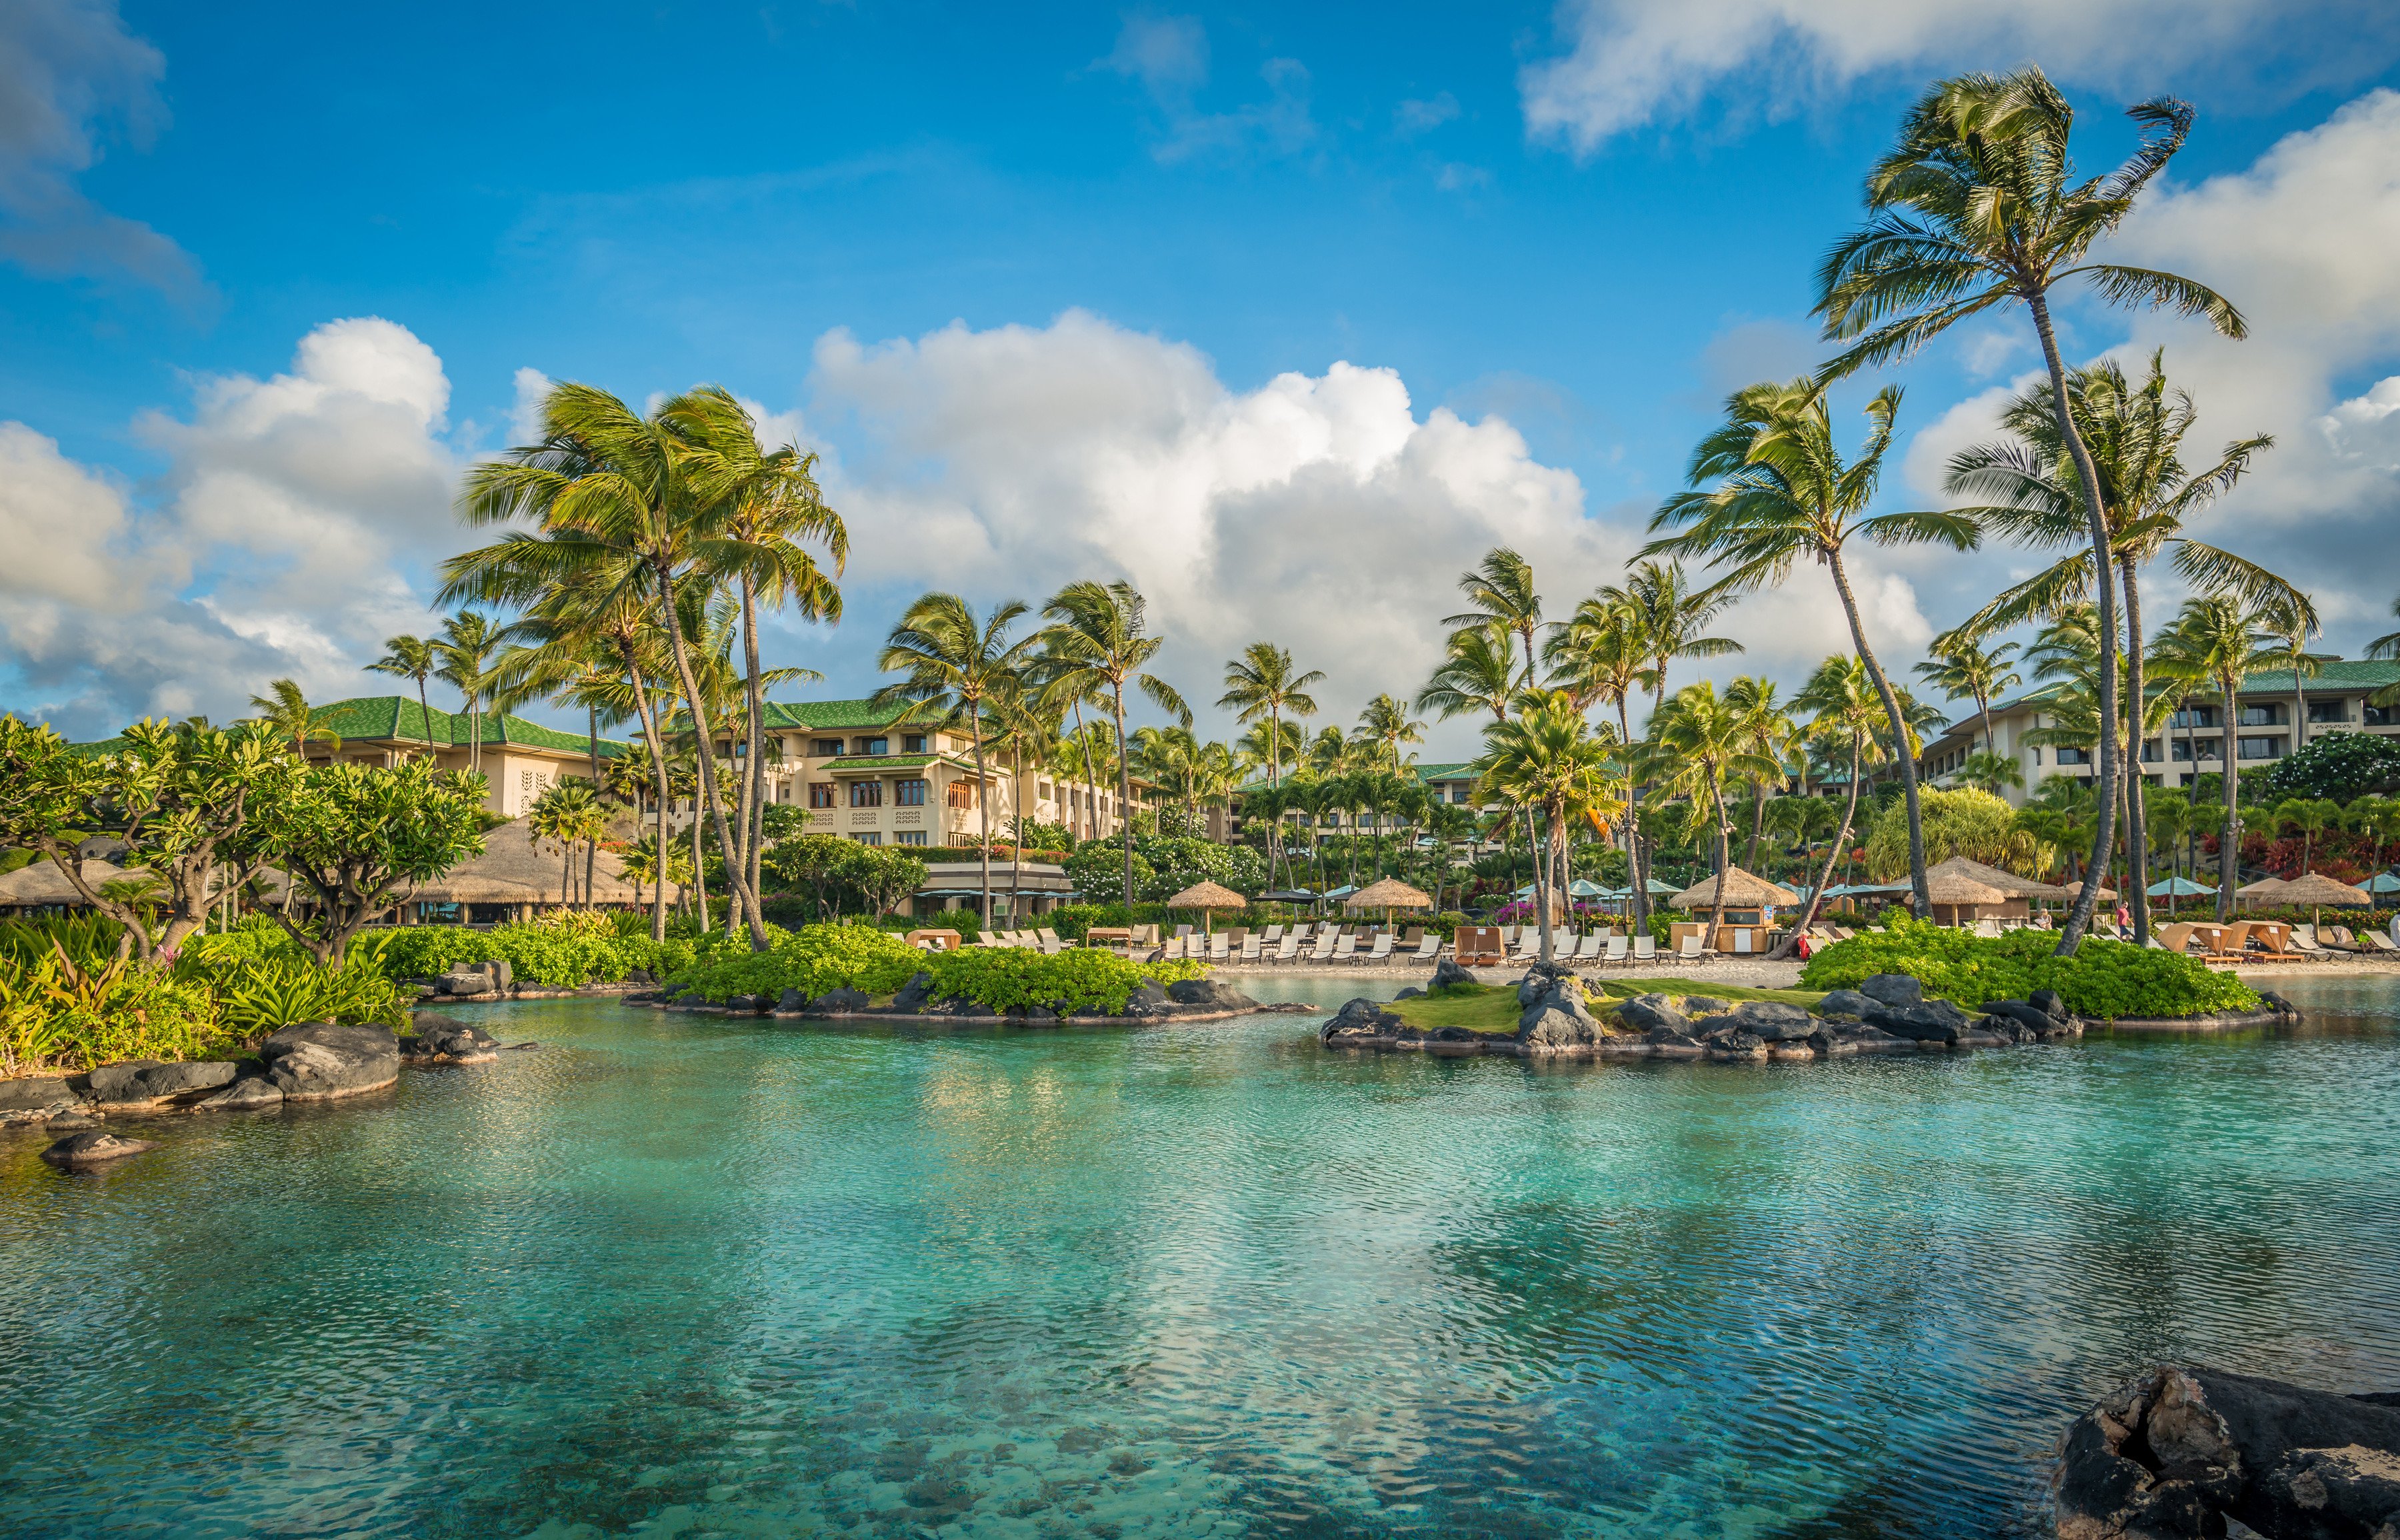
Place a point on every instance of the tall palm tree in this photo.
(1384, 725)
(759, 505)
(467, 645)
(1501, 592)
(1962, 669)
(1843, 707)
(1600, 655)
(1699, 746)
(411, 658)
(1974, 209)
(1781, 491)
(1768, 732)
(1265, 681)
(1099, 637)
(1546, 758)
(284, 713)
(2290, 622)
(954, 664)
(2214, 641)
(617, 478)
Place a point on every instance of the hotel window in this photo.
(2329, 710)
(819, 794)
(825, 748)
(867, 794)
(912, 742)
(2381, 716)
(1044, 789)
(911, 836)
(2268, 715)
(870, 837)
(2261, 748)
(2149, 751)
(875, 745)
(2210, 748)
(2075, 756)
(959, 793)
(908, 794)
(2195, 716)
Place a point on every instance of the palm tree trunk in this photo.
(659, 772)
(983, 800)
(1922, 896)
(1125, 797)
(734, 875)
(1724, 855)
(425, 706)
(2137, 819)
(2228, 847)
(1824, 878)
(2078, 918)
(1275, 787)
(1091, 777)
(1541, 878)
(755, 826)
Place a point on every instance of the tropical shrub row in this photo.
(2104, 978)
(817, 959)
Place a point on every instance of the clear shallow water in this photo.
(675, 1277)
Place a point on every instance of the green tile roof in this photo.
(885, 761)
(399, 717)
(2363, 674)
(1442, 772)
(827, 715)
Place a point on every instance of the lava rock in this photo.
(2024, 1014)
(1652, 1013)
(1559, 996)
(1542, 978)
(1209, 994)
(1934, 1021)
(250, 1094)
(34, 1094)
(118, 1083)
(1035, 1014)
(2048, 1005)
(837, 1003)
(1848, 1003)
(1358, 1020)
(2279, 1004)
(1892, 990)
(791, 1002)
(1736, 1047)
(1549, 1030)
(1149, 1000)
(1411, 992)
(318, 1061)
(1773, 1020)
(464, 981)
(915, 994)
(93, 1147)
(1447, 970)
(443, 1039)
(2176, 1451)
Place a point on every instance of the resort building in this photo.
(2266, 727)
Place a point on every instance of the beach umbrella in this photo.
(1388, 895)
(2178, 887)
(2316, 890)
(2382, 882)
(1582, 888)
(1207, 897)
(2075, 890)
(2266, 889)
(1287, 895)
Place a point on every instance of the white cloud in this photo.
(1417, 116)
(275, 546)
(1169, 56)
(1633, 62)
(69, 73)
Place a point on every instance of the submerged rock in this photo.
(320, 1060)
(1360, 1020)
(93, 1147)
(443, 1040)
(34, 1094)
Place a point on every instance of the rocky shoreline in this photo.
(1888, 1012)
(1190, 999)
(312, 1061)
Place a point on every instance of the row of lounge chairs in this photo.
(2254, 938)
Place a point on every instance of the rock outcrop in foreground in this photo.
(2177, 1451)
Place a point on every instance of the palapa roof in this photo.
(1743, 890)
(2261, 890)
(1207, 895)
(1957, 888)
(2075, 890)
(2317, 888)
(1389, 894)
(2007, 882)
(518, 869)
(42, 882)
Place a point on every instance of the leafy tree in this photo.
(1781, 491)
(2344, 766)
(1974, 209)
(1990, 772)
(1965, 821)
(352, 835)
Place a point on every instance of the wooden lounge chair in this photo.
(1477, 946)
(1645, 949)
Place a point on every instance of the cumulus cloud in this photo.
(1319, 512)
(275, 543)
(1169, 56)
(1635, 62)
(69, 74)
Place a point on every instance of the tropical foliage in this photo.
(2102, 978)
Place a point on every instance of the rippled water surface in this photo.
(678, 1277)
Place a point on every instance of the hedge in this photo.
(817, 958)
(2103, 979)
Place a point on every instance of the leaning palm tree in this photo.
(1098, 639)
(1768, 730)
(1601, 655)
(1781, 491)
(1975, 209)
(1699, 745)
(285, 714)
(411, 658)
(2214, 641)
(1546, 758)
(954, 664)
(1501, 592)
(1842, 708)
(1265, 681)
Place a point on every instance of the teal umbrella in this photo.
(2184, 887)
(2382, 882)
(1580, 888)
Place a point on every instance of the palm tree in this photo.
(1501, 593)
(1991, 772)
(2214, 640)
(618, 479)
(1781, 492)
(761, 505)
(1546, 758)
(411, 658)
(284, 713)
(1699, 746)
(1384, 725)
(467, 644)
(2289, 620)
(1265, 681)
(1964, 670)
(1768, 732)
(1843, 707)
(1099, 638)
(954, 664)
(1602, 656)
(1973, 210)
(2311, 815)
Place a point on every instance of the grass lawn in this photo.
(1492, 1007)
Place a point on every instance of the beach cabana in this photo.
(1207, 897)
(1963, 897)
(1748, 898)
(1388, 895)
(2018, 893)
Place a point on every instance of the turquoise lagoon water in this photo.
(667, 1277)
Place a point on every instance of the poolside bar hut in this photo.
(1747, 899)
(1960, 900)
(2018, 893)
(1388, 895)
(1207, 897)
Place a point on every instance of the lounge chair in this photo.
(1428, 947)
(1617, 952)
(1287, 949)
(1645, 949)
(1275, 933)
(1588, 950)
(1221, 948)
(1383, 949)
(2304, 941)
(1326, 942)
(1252, 947)
(1346, 948)
(2375, 941)
(1690, 951)
(1988, 929)
(1051, 945)
(1509, 936)
(1049, 937)
(1477, 946)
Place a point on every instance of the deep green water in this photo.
(676, 1277)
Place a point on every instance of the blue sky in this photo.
(1570, 230)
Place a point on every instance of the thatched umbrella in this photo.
(2265, 889)
(2075, 890)
(2009, 882)
(2316, 890)
(1388, 895)
(1743, 890)
(1207, 897)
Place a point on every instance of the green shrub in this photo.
(2103, 979)
(968, 923)
(817, 958)
(61, 1014)
(261, 996)
(814, 959)
(1008, 978)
